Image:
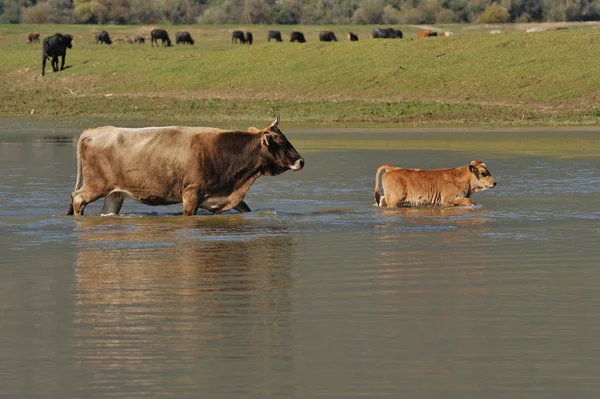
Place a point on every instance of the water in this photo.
(315, 293)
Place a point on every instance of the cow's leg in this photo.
(242, 207)
(55, 63)
(62, 65)
(112, 204)
(190, 203)
(44, 57)
(80, 198)
(463, 202)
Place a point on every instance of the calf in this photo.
(162, 35)
(437, 187)
(53, 47)
(297, 37)
(275, 35)
(33, 37)
(103, 37)
(249, 38)
(327, 36)
(352, 37)
(238, 35)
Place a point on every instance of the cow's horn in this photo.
(275, 122)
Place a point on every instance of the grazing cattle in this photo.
(297, 37)
(160, 34)
(386, 33)
(445, 187)
(352, 37)
(103, 37)
(327, 36)
(275, 35)
(183, 38)
(238, 35)
(446, 34)
(249, 38)
(33, 37)
(139, 39)
(200, 167)
(53, 47)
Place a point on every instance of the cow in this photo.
(427, 33)
(275, 35)
(238, 35)
(386, 33)
(139, 39)
(33, 37)
(53, 47)
(201, 167)
(352, 37)
(103, 37)
(249, 38)
(437, 187)
(183, 38)
(296, 36)
(327, 36)
(160, 34)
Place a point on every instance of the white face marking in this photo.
(482, 164)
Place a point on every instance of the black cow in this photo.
(183, 38)
(352, 37)
(327, 36)
(275, 35)
(160, 34)
(55, 46)
(238, 35)
(103, 37)
(249, 38)
(297, 37)
(386, 33)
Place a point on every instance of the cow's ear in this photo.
(253, 130)
(266, 139)
(472, 168)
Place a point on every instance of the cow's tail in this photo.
(377, 192)
(78, 180)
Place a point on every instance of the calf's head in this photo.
(481, 178)
(278, 153)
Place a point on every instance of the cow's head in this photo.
(279, 154)
(482, 178)
(67, 41)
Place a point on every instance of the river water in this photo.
(316, 292)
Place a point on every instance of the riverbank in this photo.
(470, 79)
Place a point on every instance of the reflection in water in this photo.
(181, 291)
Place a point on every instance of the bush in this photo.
(494, 14)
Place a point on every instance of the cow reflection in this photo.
(153, 285)
(437, 249)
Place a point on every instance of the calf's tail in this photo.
(78, 180)
(377, 193)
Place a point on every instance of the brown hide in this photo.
(200, 167)
(445, 187)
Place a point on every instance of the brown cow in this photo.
(427, 33)
(202, 167)
(33, 37)
(445, 187)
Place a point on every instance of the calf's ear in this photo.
(253, 130)
(472, 168)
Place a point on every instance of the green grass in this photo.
(469, 79)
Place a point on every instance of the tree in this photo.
(494, 14)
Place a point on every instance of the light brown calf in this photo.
(437, 187)
(33, 37)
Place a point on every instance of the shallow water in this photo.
(315, 293)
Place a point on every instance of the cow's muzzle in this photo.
(299, 164)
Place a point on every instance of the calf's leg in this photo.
(112, 204)
(242, 207)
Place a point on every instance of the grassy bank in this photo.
(469, 79)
